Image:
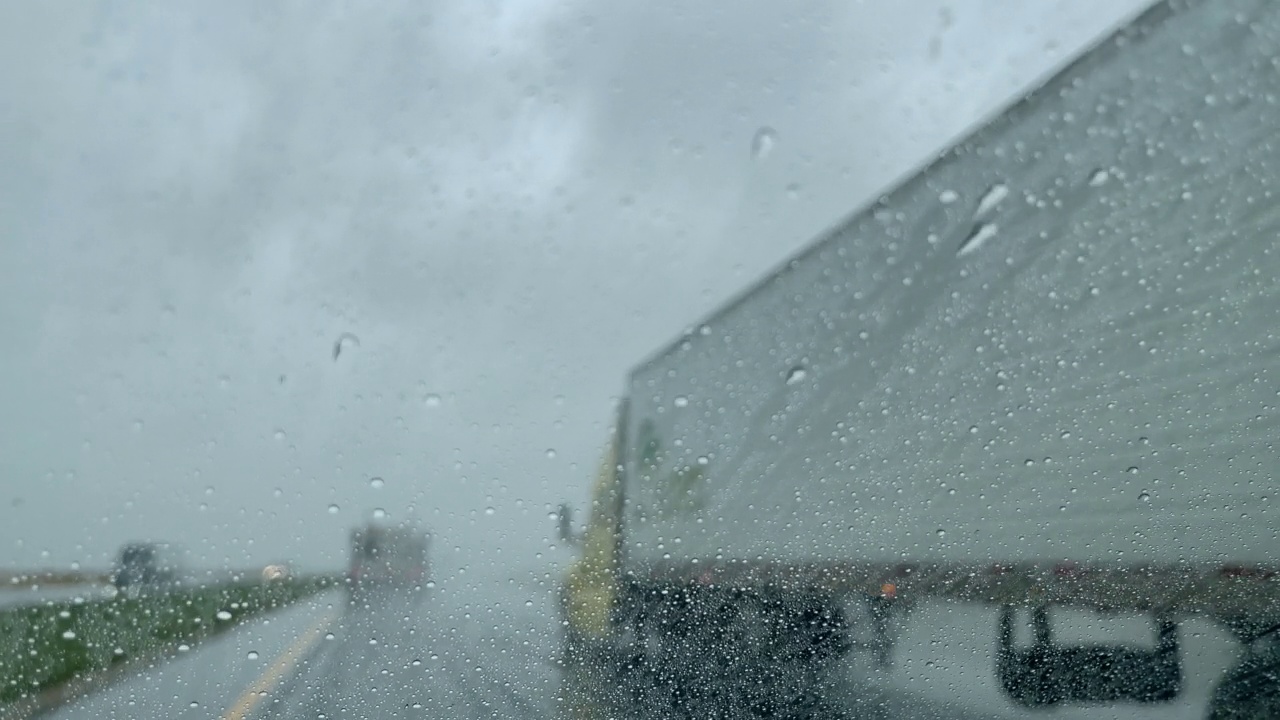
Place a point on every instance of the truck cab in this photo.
(144, 566)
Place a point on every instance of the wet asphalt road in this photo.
(488, 650)
(442, 654)
(451, 651)
(44, 594)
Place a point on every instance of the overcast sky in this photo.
(508, 204)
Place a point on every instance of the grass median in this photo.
(45, 646)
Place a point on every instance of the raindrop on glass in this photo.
(946, 197)
(432, 400)
(551, 453)
(796, 375)
(379, 513)
(990, 199)
(1099, 178)
(763, 143)
(1144, 496)
(253, 655)
(376, 483)
(333, 509)
(489, 510)
(224, 615)
(977, 238)
(345, 340)
(681, 401)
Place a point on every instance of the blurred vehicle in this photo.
(388, 558)
(143, 565)
(276, 571)
(930, 406)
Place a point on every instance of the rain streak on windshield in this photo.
(640, 360)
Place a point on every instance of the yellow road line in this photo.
(281, 667)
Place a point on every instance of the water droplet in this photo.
(432, 400)
(379, 514)
(416, 662)
(489, 510)
(223, 615)
(68, 635)
(253, 655)
(328, 636)
(796, 374)
(981, 234)
(551, 453)
(376, 483)
(942, 533)
(344, 341)
(1132, 470)
(184, 647)
(793, 191)
(333, 509)
(990, 199)
(763, 142)
(1065, 434)
(1144, 496)
(528, 603)
(279, 434)
(946, 197)
(193, 704)
(1029, 462)
(1099, 178)
(681, 401)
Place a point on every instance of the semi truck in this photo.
(388, 558)
(149, 566)
(1042, 374)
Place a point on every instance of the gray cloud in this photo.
(508, 203)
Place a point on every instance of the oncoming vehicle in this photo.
(1019, 386)
(147, 565)
(388, 558)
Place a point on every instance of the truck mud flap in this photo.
(700, 651)
(1047, 673)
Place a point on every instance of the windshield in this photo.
(622, 360)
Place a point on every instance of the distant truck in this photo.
(148, 565)
(1041, 374)
(388, 558)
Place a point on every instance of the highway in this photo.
(454, 652)
(42, 594)
(486, 649)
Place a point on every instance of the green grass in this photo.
(46, 645)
